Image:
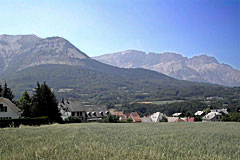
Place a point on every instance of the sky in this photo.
(188, 27)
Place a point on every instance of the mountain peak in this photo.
(131, 51)
(21, 51)
(203, 59)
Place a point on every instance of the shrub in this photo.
(24, 121)
(111, 119)
(73, 120)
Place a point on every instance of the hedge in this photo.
(24, 121)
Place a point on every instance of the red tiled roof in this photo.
(135, 116)
(118, 113)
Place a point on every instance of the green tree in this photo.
(25, 104)
(45, 103)
(7, 92)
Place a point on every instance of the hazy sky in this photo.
(189, 27)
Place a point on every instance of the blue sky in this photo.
(189, 27)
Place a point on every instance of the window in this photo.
(1, 107)
(73, 114)
(81, 114)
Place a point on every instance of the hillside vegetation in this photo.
(115, 86)
(198, 141)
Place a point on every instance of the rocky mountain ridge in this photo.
(200, 68)
(22, 51)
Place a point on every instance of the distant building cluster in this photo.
(89, 112)
(215, 115)
(82, 110)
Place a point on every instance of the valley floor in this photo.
(122, 141)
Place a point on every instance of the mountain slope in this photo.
(71, 73)
(199, 68)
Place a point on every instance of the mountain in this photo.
(28, 59)
(198, 68)
(22, 51)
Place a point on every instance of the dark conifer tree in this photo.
(45, 103)
(7, 92)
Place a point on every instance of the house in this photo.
(199, 113)
(212, 116)
(178, 119)
(188, 119)
(172, 119)
(156, 117)
(215, 115)
(222, 110)
(8, 110)
(82, 110)
(177, 114)
(135, 117)
(121, 115)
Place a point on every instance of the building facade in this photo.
(8, 110)
(82, 110)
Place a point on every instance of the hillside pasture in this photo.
(122, 141)
(167, 102)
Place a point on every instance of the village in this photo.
(86, 112)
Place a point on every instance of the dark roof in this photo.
(77, 106)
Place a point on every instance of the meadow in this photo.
(210, 141)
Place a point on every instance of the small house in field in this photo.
(172, 119)
(120, 114)
(188, 119)
(222, 110)
(212, 116)
(8, 110)
(82, 110)
(156, 117)
(135, 117)
(178, 119)
(215, 115)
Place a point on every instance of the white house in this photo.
(8, 110)
(212, 116)
(156, 117)
(222, 110)
(215, 115)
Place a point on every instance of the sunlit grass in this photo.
(122, 141)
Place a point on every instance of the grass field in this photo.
(122, 141)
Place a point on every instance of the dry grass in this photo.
(122, 141)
